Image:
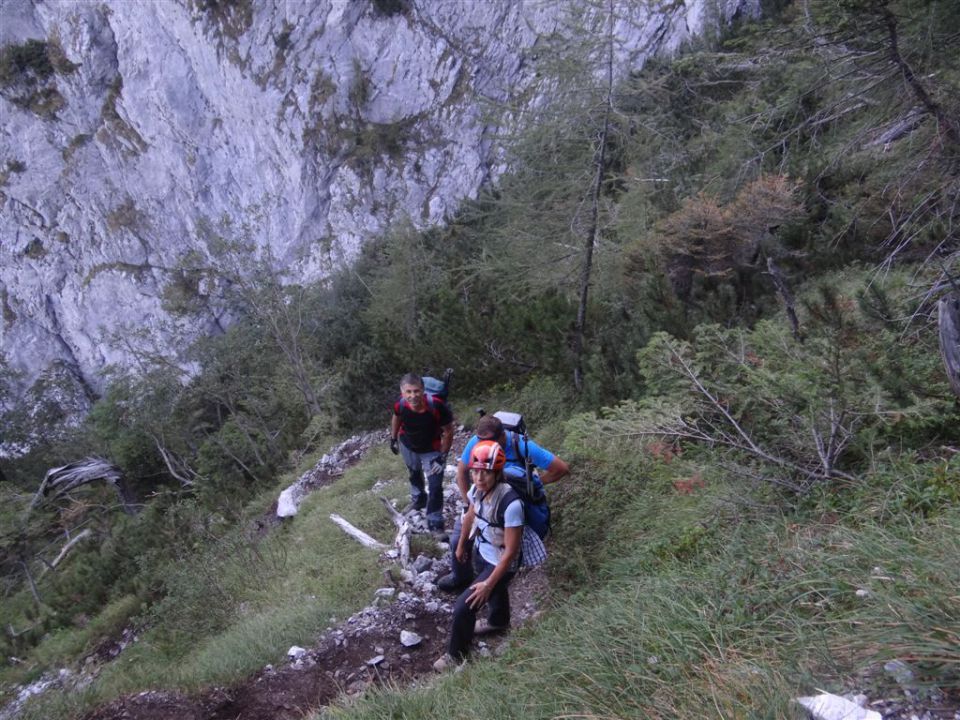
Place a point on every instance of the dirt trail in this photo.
(361, 651)
(339, 664)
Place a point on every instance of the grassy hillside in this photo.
(699, 587)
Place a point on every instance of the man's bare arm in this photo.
(555, 470)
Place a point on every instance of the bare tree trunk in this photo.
(33, 585)
(781, 282)
(173, 462)
(945, 123)
(63, 479)
(949, 312)
(600, 160)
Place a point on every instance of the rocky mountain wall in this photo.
(135, 132)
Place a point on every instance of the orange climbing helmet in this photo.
(487, 455)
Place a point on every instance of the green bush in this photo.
(29, 62)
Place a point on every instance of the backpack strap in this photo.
(499, 513)
(500, 509)
(527, 466)
(431, 405)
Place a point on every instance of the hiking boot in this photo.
(446, 662)
(449, 583)
(485, 627)
(413, 505)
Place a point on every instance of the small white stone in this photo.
(374, 661)
(833, 707)
(409, 639)
(296, 652)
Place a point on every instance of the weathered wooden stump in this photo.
(949, 308)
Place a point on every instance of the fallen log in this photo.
(357, 534)
(402, 541)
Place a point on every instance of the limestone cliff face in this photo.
(134, 131)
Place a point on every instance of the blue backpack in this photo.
(524, 481)
(438, 387)
(536, 512)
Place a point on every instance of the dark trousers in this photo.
(431, 497)
(465, 617)
(462, 571)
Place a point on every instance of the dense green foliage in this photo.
(762, 388)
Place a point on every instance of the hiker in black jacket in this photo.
(421, 430)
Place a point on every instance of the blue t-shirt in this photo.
(540, 457)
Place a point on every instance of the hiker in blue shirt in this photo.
(551, 468)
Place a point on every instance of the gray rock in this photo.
(409, 639)
(296, 652)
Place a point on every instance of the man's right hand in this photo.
(394, 446)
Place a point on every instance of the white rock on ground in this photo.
(833, 707)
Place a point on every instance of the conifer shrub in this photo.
(27, 75)
(794, 414)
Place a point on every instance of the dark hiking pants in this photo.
(465, 617)
(431, 497)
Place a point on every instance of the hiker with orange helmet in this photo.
(491, 530)
(517, 450)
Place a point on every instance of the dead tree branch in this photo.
(176, 466)
(780, 281)
(64, 551)
(402, 541)
(357, 534)
(61, 480)
(732, 434)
